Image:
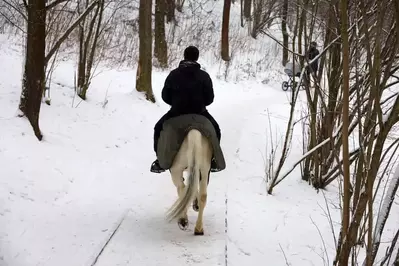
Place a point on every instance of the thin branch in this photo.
(12, 23)
(16, 9)
(308, 153)
(322, 240)
(329, 219)
(69, 30)
(55, 3)
(285, 257)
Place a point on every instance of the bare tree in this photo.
(284, 16)
(263, 15)
(225, 31)
(345, 128)
(361, 55)
(88, 38)
(144, 68)
(34, 75)
(160, 45)
(170, 10)
(36, 58)
(58, 21)
(247, 9)
(13, 13)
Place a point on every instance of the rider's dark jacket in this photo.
(188, 89)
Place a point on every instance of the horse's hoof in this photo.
(183, 223)
(195, 205)
(198, 233)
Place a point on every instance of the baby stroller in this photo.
(289, 70)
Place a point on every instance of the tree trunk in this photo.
(345, 127)
(242, 13)
(160, 46)
(82, 52)
(247, 9)
(284, 16)
(88, 41)
(144, 68)
(225, 30)
(91, 57)
(302, 31)
(170, 10)
(34, 74)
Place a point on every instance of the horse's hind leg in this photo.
(199, 227)
(178, 181)
(195, 203)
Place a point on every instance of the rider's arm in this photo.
(208, 90)
(167, 89)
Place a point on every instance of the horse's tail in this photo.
(194, 150)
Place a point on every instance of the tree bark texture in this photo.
(284, 16)
(34, 74)
(160, 45)
(170, 10)
(225, 31)
(144, 68)
(247, 9)
(88, 44)
(344, 258)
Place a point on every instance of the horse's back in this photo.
(194, 136)
(195, 143)
(175, 134)
(199, 142)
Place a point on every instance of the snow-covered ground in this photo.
(62, 198)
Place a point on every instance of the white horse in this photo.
(195, 155)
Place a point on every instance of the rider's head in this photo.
(191, 53)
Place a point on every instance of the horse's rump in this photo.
(175, 130)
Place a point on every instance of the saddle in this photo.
(175, 130)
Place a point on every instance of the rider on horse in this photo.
(188, 90)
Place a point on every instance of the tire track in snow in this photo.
(226, 251)
(109, 238)
(230, 142)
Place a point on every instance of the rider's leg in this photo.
(214, 123)
(155, 167)
(214, 167)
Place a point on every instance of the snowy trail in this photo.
(145, 238)
(63, 198)
(83, 182)
(92, 168)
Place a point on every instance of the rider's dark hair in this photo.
(191, 53)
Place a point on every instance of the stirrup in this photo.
(157, 171)
(156, 168)
(214, 169)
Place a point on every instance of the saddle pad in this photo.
(175, 130)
